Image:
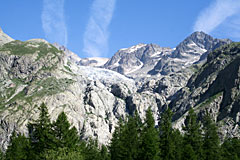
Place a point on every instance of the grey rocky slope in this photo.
(93, 61)
(164, 70)
(214, 89)
(4, 38)
(94, 99)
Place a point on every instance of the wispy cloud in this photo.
(53, 21)
(96, 34)
(218, 13)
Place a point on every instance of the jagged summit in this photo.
(1, 31)
(133, 48)
(197, 44)
(137, 59)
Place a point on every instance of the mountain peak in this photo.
(4, 38)
(133, 48)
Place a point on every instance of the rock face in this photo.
(137, 60)
(214, 89)
(163, 70)
(95, 98)
(4, 38)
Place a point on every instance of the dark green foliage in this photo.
(91, 150)
(189, 153)
(132, 140)
(166, 136)
(211, 144)
(178, 144)
(231, 149)
(193, 135)
(126, 139)
(116, 147)
(149, 148)
(104, 153)
(66, 136)
(41, 133)
(2, 155)
(63, 154)
(18, 147)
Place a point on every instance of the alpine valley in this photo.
(202, 73)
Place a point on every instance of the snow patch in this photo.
(135, 68)
(104, 75)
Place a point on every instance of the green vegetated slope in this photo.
(28, 73)
(214, 88)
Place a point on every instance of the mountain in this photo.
(93, 61)
(94, 99)
(193, 49)
(161, 69)
(4, 38)
(94, 96)
(136, 60)
(214, 89)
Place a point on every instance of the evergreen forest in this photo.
(133, 139)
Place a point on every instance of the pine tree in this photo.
(125, 142)
(149, 139)
(104, 153)
(2, 156)
(189, 153)
(211, 144)
(41, 134)
(231, 149)
(131, 138)
(63, 154)
(193, 134)
(91, 150)
(166, 136)
(18, 147)
(116, 148)
(177, 138)
(66, 136)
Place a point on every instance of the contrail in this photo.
(53, 21)
(96, 34)
(216, 14)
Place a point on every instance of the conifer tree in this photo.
(193, 135)
(177, 138)
(149, 139)
(231, 149)
(125, 142)
(116, 147)
(189, 153)
(104, 153)
(130, 138)
(41, 134)
(18, 147)
(166, 136)
(211, 144)
(2, 156)
(91, 150)
(63, 154)
(66, 136)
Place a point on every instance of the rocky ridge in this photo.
(4, 38)
(94, 98)
(214, 89)
(35, 71)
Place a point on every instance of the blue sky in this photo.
(101, 27)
